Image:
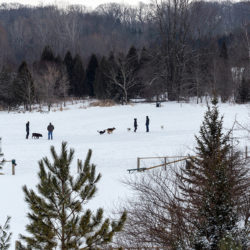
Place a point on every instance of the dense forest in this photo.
(169, 50)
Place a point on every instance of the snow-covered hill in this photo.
(113, 154)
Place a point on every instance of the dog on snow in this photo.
(101, 132)
(110, 130)
(36, 135)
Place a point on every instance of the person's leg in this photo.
(48, 135)
(51, 135)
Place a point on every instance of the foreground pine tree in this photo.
(214, 184)
(4, 235)
(57, 216)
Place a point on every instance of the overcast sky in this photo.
(89, 3)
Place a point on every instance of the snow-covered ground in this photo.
(113, 154)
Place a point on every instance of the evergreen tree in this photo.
(224, 74)
(144, 58)
(78, 73)
(6, 90)
(68, 62)
(213, 184)
(47, 54)
(223, 51)
(5, 236)
(91, 75)
(133, 64)
(23, 87)
(101, 81)
(133, 59)
(57, 217)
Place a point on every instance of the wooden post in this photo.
(165, 162)
(13, 168)
(246, 152)
(138, 163)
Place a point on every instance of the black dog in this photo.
(101, 132)
(36, 135)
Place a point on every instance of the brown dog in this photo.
(110, 130)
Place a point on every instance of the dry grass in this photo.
(82, 107)
(102, 103)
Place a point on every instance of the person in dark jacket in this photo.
(135, 124)
(50, 129)
(27, 130)
(147, 124)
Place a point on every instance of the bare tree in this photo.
(62, 86)
(155, 216)
(46, 81)
(122, 74)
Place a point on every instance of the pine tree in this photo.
(6, 90)
(23, 87)
(78, 74)
(223, 51)
(5, 236)
(47, 54)
(133, 59)
(91, 74)
(57, 217)
(213, 184)
(68, 62)
(101, 81)
(224, 74)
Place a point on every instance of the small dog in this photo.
(129, 129)
(110, 130)
(36, 135)
(162, 127)
(101, 132)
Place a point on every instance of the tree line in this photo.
(169, 49)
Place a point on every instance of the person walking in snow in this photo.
(147, 124)
(135, 124)
(50, 129)
(27, 129)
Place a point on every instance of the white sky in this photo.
(89, 3)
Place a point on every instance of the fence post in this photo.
(246, 152)
(13, 169)
(138, 162)
(13, 162)
(165, 162)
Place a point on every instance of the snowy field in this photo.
(113, 154)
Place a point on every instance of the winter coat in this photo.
(135, 123)
(50, 128)
(27, 127)
(147, 121)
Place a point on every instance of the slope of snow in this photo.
(113, 154)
